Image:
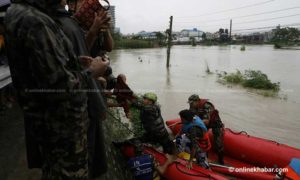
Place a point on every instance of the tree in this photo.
(160, 37)
(204, 36)
(286, 34)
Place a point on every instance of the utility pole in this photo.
(230, 29)
(169, 41)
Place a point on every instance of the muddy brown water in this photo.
(271, 118)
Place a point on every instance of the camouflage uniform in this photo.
(193, 135)
(49, 84)
(153, 124)
(96, 103)
(216, 126)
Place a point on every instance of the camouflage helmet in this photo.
(193, 98)
(150, 96)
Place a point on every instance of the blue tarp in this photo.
(4, 2)
(295, 165)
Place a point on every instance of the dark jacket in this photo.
(41, 57)
(96, 104)
(152, 120)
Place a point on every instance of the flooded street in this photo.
(272, 118)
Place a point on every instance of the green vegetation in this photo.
(253, 80)
(136, 122)
(207, 68)
(259, 80)
(193, 41)
(286, 37)
(243, 48)
(135, 42)
(234, 78)
(118, 129)
(277, 46)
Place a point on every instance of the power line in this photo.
(239, 17)
(261, 20)
(228, 10)
(249, 22)
(266, 27)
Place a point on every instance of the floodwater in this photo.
(272, 118)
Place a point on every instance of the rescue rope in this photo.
(237, 133)
(244, 132)
(201, 174)
(119, 121)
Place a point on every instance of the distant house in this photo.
(186, 35)
(212, 36)
(146, 35)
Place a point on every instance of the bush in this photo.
(133, 44)
(277, 46)
(259, 80)
(252, 79)
(243, 48)
(235, 78)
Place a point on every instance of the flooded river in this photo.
(271, 118)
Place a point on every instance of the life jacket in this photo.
(204, 142)
(202, 102)
(214, 118)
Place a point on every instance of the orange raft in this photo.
(244, 151)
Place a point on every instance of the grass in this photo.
(235, 78)
(253, 80)
(136, 122)
(207, 68)
(277, 46)
(243, 48)
(136, 44)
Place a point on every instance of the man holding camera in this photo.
(51, 86)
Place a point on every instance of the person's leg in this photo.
(64, 147)
(202, 159)
(168, 146)
(218, 143)
(161, 169)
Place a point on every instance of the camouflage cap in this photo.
(193, 98)
(150, 96)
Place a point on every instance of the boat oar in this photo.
(219, 165)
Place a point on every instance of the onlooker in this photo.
(96, 103)
(51, 89)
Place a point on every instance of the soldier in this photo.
(96, 103)
(210, 116)
(153, 123)
(51, 88)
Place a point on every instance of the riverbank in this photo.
(123, 43)
(143, 44)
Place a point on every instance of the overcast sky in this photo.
(153, 15)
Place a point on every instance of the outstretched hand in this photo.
(101, 21)
(96, 65)
(85, 61)
(189, 165)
